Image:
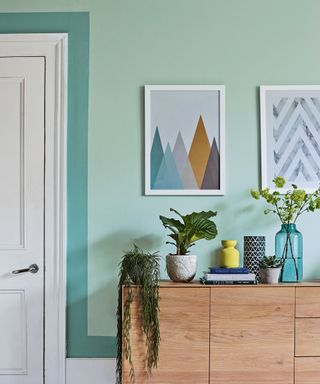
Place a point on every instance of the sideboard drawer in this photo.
(308, 302)
(307, 370)
(184, 347)
(307, 337)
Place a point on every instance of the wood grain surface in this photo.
(307, 370)
(196, 283)
(251, 332)
(252, 335)
(184, 348)
(308, 302)
(307, 337)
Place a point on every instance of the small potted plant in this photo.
(138, 278)
(270, 268)
(181, 266)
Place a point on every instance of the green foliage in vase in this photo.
(189, 229)
(270, 262)
(290, 205)
(138, 276)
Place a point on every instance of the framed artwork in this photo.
(290, 135)
(184, 140)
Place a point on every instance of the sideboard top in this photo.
(196, 283)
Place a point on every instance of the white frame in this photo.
(54, 48)
(190, 192)
(263, 128)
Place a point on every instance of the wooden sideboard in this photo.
(263, 334)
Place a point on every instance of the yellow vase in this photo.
(229, 255)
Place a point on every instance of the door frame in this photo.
(54, 49)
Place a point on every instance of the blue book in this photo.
(232, 271)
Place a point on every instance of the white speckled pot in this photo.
(181, 269)
(270, 275)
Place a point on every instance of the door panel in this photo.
(12, 228)
(13, 332)
(252, 333)
(21, 218)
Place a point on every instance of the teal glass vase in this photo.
(288, 245)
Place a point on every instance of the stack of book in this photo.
(217, 276)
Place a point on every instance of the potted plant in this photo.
(138, 278)
(270, 268)
(181, 266)
(289, 207)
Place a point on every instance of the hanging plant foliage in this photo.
(139, 275)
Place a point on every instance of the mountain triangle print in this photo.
(180, 169)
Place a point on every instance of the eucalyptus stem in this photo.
(284, 255)
(294, 259)
(285, 250)
(302, 210)
(278, 212)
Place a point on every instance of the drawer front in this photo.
(308, 302)
(251, 335)
(184, 346)
(307, 370)
(307, 337)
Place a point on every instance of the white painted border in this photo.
(53, 47)
(181, 192)
(91, 370)
(263, 128)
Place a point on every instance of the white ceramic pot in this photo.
(181, 268)
(270, 275)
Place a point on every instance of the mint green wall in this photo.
(241, 44)
(77, 26)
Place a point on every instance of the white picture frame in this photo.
(290, 135)
(184, 110)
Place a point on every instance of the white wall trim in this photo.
(92, 371)
(53, 47)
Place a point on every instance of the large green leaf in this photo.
(204, 230)
(196, 217)
(195, 226)
(172, 223)
(174, 236)
(200, 225)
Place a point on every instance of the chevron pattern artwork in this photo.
(296, 133)
(184, 146)
(294, 144)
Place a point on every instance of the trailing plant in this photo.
(138, 279)
(270, 262)
(189, 229)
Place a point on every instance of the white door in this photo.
(22, 166)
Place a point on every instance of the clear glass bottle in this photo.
(288, 245)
